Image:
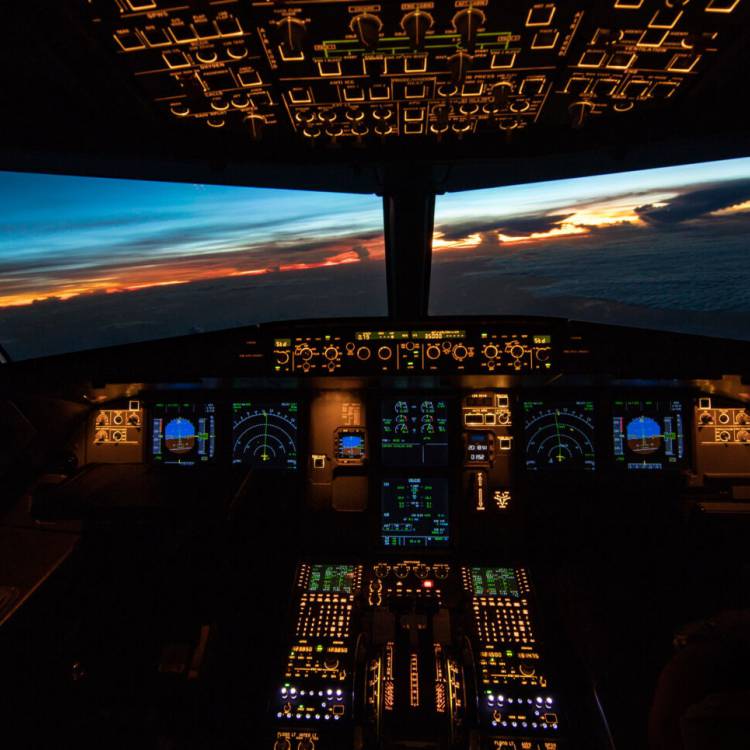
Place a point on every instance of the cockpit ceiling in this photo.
(326, 81)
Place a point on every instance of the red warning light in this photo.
(428, 584)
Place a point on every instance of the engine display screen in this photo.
(264, 435)
(414, 512)
(494, 582)
(331, 579)
(648, 435)
(559, 435)
(414, 432)
(183, 433)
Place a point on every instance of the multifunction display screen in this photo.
(414, 432)
(648, 435)
(494, 582)
(559, 435)
(414, 512)
(264, 435)
(183, 433)
(331, 579)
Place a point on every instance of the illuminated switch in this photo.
(237, 52)
(261, 99)
(249, 77)
(591, 59)
(383, 129)
(380, 92)
(577, 85)
(156, 37)
(207, 55)
(415, 64)
(462, 127)
(683, 63)
(472, 88)
(182, 33)
(636, 89)
(228, 26)
(205, 29)
(319, 461)
(413, 114)
(540, 15)
(628, 4)
(329, 68)
(175, 59)
(665, 18)
(663, 89)
(394, 66)
(520, 106)
(300, 95)
(373, 66)
(221, 80)
(128, 40)
(142, 4)
(354, 94)
(606, 86)
(721, 6)
(621, 60)
(415, 91)
(545, 39)
(532, 86)
(413, 128)
(653, 38)
(502, 60)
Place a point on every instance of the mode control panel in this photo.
(424, 350)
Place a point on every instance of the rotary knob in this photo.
(724, 436)
(542, 355)
(305, 353)
(101, 436)
(516, 351)
(579, 111)
(382, 570)
(433, 351)
(292, 32)
(255, 124)
(491, 351)
(385, 353)
(743, 435)
(367, 27)
(467, 23)
(422, 570)
(501, 93)
(743, 418)
(306, 744)
(282, 744)
(416, 25)
(331, 353)
(459, 65)
(364, 353)
(460, 352)
(401, 570)
(101, 420)
(134, 419)
(706, 418)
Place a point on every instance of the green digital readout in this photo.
(495, 582)
(331, 579)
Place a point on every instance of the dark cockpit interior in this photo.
(375, 376)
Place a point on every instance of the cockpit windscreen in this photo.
(660, 248)
(149, 260)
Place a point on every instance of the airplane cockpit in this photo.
(375, 376)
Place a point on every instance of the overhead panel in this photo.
(333, 72)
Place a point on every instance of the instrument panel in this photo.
(494, 436)
(482, 350)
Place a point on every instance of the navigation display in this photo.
(331, 579)
(648, 435)
(183, 433)
(494, 582)
(414, 512)
(414, 432)
(264, 435)
(559, 435)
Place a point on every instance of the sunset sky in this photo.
(62, 236)
(665, 248)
